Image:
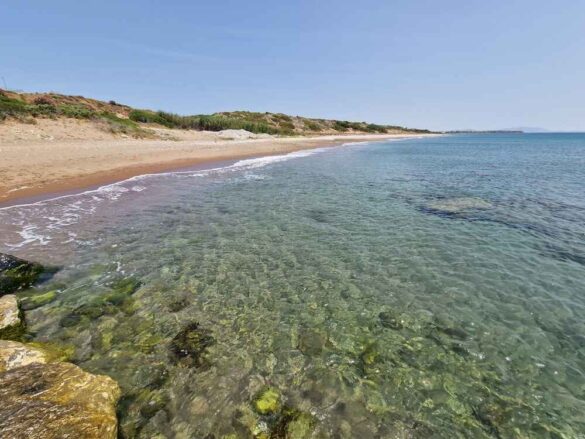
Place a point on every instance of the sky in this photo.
(418, 63)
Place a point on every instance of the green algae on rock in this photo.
(16, 274)
(117, 300)
(57, 400)
(389, 320)
(37, 300)
(311, 342)
(294, 424)
(189, 345)
(267, 401)
(54, 351)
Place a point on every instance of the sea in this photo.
(430, 287)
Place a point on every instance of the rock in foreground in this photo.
(57, 400)
(14, 354)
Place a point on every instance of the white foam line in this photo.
(251, 163)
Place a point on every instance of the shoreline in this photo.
(183, 155)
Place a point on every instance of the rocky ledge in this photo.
(41, 396)
(57, 400)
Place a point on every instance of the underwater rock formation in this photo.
(458, 205)
(16, 274)
(270, 418)
(267, 401)
(189, 345)
(389, 320)
(11, 324)
(37, 300)
(57, 400)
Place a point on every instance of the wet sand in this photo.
(33, 168)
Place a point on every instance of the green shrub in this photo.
(117, 125)
(75, 111)
(313, 126)
(255, 122)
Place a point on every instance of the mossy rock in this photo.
(150, 375)
(54, 352)
(294, 424)
(267, 401)
(138, 408)
(311, 342)
(13, 332)
(126, 286)
(119, 299)
(36, 301)
(190, 344)
(87, 312)
(178, 304)
(370, 355)
(17, 274)
(390, 320)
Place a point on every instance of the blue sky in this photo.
(421, 63)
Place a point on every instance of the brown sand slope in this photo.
(55, 155)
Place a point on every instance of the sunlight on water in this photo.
(421, 288)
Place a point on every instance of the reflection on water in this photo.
(422, 288)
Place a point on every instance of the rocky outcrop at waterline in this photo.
(14, 354)
(11, 324)
(17, 274)
(57, 400)
(43, 397)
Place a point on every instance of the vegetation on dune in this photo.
(121, 119)
(214, 122)
(44, 106)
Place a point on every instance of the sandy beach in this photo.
(59, 156)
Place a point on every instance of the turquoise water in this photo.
(417, 288)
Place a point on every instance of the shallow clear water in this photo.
(419, 288)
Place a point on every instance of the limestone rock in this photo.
(57, 400)
(9, 315)
(14, 354)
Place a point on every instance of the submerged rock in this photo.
(189, 345)
(11, 323)
(311, 342)
(294, 424)
(57, 400)
(37, 300)
(267, 401)
(16, 274)
(389, 320)
(457, 205)
(14, 354)
(119, 299)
